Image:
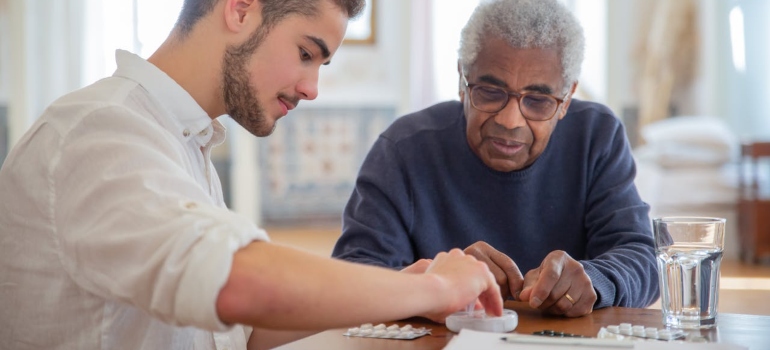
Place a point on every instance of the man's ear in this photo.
(568, 100)
(242, 15)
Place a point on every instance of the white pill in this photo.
(379, 327)
(406, 328)
(638, 333)
(366, 326)
(366, 331)
(393, 333)
(625, 326)
(664, 334)
(354, 330)
(393, 327)
(613, 329)
(379, 332)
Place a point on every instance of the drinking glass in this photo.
(689, 254)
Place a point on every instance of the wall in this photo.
(745, 94)
(4, 52)
(703, 97)
(372, 75)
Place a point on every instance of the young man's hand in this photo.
(463, 280)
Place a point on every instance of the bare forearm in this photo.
(269, 339)
(277, 287)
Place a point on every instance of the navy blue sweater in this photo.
(421, 190)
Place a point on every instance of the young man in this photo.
(114, 231)
(525, 177)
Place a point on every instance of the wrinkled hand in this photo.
(546, 287)
(419, 266)
(506, 272)
(464, 280)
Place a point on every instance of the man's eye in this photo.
(304, 55)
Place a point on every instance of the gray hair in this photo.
(526, 24)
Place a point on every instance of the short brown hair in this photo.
(273, 11)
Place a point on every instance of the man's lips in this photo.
(506, 147)
(286, 106)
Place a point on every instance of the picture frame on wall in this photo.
(361, 31)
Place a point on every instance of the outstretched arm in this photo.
(277, 287)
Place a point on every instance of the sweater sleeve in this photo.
(379, 212)
(620, 256)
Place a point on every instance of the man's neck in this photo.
(195, 63)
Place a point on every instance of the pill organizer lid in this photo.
(479, 321)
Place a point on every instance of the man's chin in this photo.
(504, 165)
(262, 129)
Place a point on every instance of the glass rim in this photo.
(689, 219)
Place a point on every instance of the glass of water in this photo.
(689, 253)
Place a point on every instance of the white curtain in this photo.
(421, 78)
(44, 56)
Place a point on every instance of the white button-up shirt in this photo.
(113, 230)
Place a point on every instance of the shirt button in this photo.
(186, 132)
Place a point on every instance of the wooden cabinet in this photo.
(754, 203)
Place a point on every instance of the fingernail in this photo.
(535, 302)
(516, 295)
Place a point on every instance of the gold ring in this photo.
(566, 295)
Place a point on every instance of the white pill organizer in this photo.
(393, 331)
(478, 320)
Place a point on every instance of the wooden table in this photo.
(747, 330)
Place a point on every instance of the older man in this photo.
(524, 176)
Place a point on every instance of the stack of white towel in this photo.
(689, 166)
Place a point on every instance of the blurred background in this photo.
(688, 78)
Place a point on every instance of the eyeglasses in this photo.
(533, 105)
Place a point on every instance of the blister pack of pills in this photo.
(393, 331)
(635, 332)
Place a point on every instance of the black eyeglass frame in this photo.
(517, 95)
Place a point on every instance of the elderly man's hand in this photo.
(560, 286)
(506, 272)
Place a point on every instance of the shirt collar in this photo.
(190, 118)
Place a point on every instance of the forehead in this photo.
(518, 67)
(329, 25)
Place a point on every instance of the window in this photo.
(449, 17)
(139, 26)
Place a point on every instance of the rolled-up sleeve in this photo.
(133, 225)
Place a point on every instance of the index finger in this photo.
(511, 270)
(550, 273)
(491, 298)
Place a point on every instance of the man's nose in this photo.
(307, 87)
(510, 116)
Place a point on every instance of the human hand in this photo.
(506, 272)
(419, 266)
(559, 279)
(463, 280)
